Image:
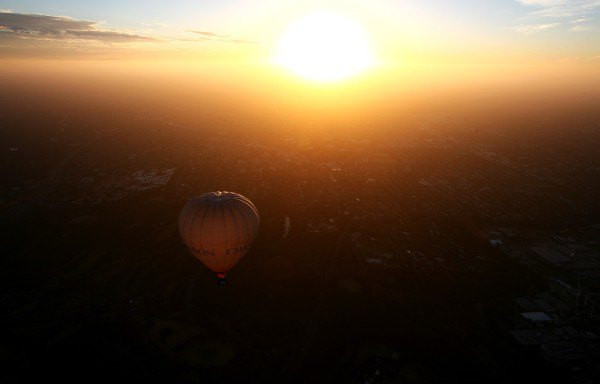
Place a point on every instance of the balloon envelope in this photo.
(219, 228)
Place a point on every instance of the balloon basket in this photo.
(221, 278)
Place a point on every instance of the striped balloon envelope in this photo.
(219, 228)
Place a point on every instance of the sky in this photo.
(419, 46)
(424, 30)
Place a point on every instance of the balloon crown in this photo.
(220, 196)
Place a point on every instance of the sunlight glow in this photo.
(324, 47)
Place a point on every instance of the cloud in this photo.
(211, 36)
(44, 27)
(582, 28)
(562, 8)
(208, 34)
(531, 29)
(574, 12)
(161, 25)
(241, 41)
(545, 3)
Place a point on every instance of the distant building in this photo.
(550, 255)
(536, 317)
(531, 337)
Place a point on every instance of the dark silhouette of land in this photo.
(457, 241)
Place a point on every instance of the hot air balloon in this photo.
(219, 228)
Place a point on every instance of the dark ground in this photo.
(96, 285)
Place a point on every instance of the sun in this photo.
(324, 47)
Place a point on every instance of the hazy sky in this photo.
(424, 30)
(424, 50)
